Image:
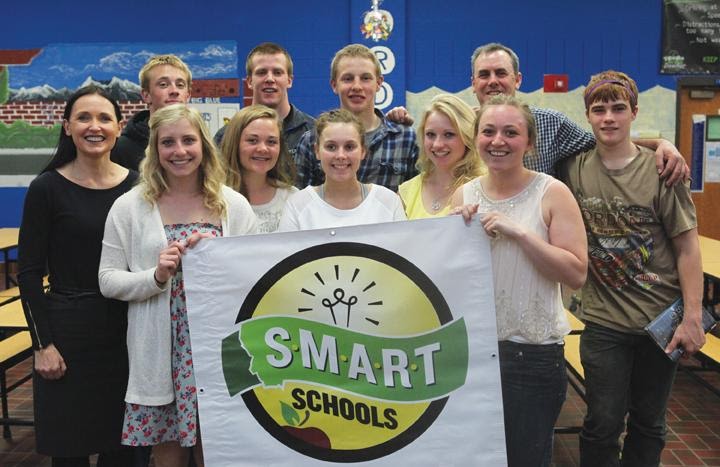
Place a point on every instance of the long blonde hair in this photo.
(212, 169)
(462, 118)
(281, 175)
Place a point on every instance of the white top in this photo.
(268, 214)
(134, 236)
(305, 210)
(528, 306)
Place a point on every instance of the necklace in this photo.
(440, 201)
(435, 205)
(363, 192)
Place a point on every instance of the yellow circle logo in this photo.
(350, 350)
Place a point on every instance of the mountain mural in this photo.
(119, 89)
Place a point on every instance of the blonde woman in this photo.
(448, 158)
(180, 199)
(259, 166)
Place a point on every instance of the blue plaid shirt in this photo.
(558, 138)
(390, 159)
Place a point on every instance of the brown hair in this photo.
(611, 85)
(338, 116)
(268, 48)
(510, 101)
(282, 174)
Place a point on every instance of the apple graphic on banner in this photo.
(310, 434)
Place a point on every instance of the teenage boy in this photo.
(496, 70)
(269, 75)
(643, 255)
(391, 149)
(165, 80)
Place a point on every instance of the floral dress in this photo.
(146, 425)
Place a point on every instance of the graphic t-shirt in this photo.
(630, 219)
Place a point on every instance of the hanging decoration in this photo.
(377, 24)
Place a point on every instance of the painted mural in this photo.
(34, 84)
(656, 118)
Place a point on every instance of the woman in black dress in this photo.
(78, 335)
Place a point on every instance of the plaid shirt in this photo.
(390, 159)
(558, 138)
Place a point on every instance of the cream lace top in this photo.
(268, 214)
(528, 306)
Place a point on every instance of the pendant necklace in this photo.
(435, 205)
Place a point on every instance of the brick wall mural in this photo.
(47, 113)
(35, 84)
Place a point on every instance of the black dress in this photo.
(62, 227)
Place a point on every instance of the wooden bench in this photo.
(13, 350)
(709, 358)
(576, 326)
(8, 295)
(572, 354)
(13, 293)
(576, 374)
(12, 316)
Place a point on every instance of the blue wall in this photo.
(554, 36)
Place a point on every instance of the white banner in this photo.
(372, 344)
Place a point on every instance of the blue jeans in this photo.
(534, 384)
(624, 374)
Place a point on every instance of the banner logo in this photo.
(346, 352)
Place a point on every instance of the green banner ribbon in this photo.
(271, 350)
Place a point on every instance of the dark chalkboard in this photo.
(691, 37)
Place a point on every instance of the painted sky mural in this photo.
(69, 65)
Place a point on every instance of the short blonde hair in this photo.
(212, 169)
(354, 51)
(462, 118)
(168, 59)
(283, 174)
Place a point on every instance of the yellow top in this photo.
(411, 194)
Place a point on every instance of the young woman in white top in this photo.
(180, 199)
(259, 165)
(341, 200)
(538, 242)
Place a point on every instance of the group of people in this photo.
(113, 357)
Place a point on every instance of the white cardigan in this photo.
(134, 236)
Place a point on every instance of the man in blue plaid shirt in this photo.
(496, 70)
(355, 77)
